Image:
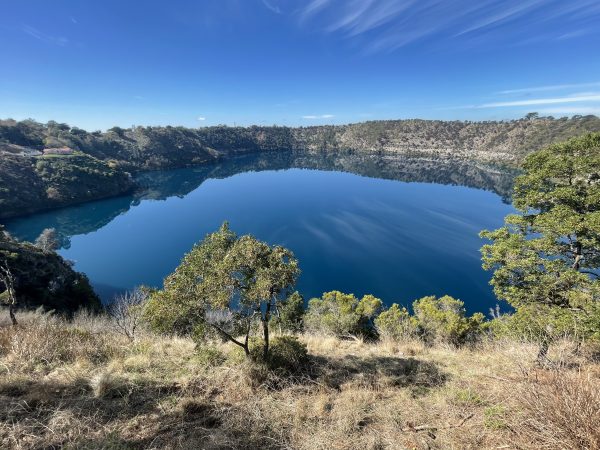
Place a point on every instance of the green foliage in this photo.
(97, 170)
(549, 253)
(287, 355)
(342, 314)
(29, 184)
(290, 314)
(539, 323)
(395, 323)
(210, 356)
(494, 417)
(444, 320)
(223, 285)
(467, 397)
(44, 278)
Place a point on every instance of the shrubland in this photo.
(225, 356)
(30, 184)
(80, 383)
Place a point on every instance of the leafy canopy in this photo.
(223, 284)
(549, 253)
(342, 314)
(444, 319)
(395, 323)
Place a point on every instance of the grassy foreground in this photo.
(80, 384)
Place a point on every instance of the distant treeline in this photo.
(140, 148)
(99, 164)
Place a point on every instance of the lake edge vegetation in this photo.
(167, 368)
(60, 165)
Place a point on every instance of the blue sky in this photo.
(205, 62)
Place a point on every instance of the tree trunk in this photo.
(11, 313)
(246, 347)
(266, 331)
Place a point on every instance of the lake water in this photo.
(397, 228)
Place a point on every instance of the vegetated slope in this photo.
(164, 147)
(32, 183)
(80, 384)
(45, 278)
(29, 184)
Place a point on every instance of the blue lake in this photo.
(397, 228)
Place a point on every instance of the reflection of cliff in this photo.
(161, 185)
(71, 221)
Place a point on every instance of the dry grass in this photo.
(82, 385)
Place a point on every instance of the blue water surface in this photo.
(352, 222)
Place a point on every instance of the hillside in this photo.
(163, 147)
(34, 183)
(45, 278)
(83, 385)
(30, 183)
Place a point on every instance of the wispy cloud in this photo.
(40, 36)
(385, 25)
(313, 8)
(201, 119)
(572, 110)
(569, 103)
(592, 97)
(322, 116)
(272, 7)
(554, 87)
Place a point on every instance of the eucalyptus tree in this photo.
(548, 254)
(225, 283)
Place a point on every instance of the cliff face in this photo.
(45, 278)
(30, 183)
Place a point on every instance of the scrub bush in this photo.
(444, 320)
(343, 315)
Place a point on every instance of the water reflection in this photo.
(161, 185)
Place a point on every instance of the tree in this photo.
(225, 284)
(549, 253)
(9, 295)
(532, 116)
(127, 310)
(48, 240)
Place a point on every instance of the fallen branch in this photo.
(430, 428)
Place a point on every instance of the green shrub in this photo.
(444, 320)
(342, 314)
(543, 323)
(287, 355)
(290, 314)
(395, 323)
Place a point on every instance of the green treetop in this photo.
(548, 255)
(225, 283)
